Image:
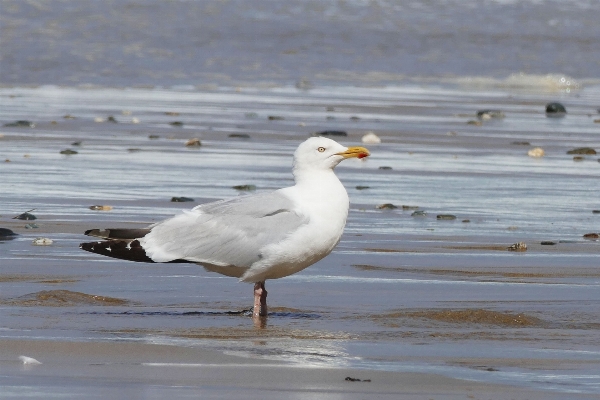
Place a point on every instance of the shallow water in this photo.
(400, 293)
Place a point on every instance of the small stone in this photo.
(420, 213)
(76, 144)
(275, 118)
(521, 143)
(245, 187)
(578, 158)
(448, 217)
(330, 109)
(240, 135)
(26, 216)
(20, 124)
(153, 137)
(178, 124)
(474, 122)
(595, 211)
(597, 121)
(69, 116)
(98, 119)
(195, 142)
(371, 138)
(5, 232)
(134, 150)
(536, 152)
(359, 187)
(42, 242)
(386, 206)
(68, 152)
(521, 246)
(466, 221)
(354, 118)
(489, 114)
(126, 112)
(591, 236)
(135, 120)
(547, 243)
(385, 167)
(583, 150)
(31, 226)
(101, 208)
(555, 109)
(172, 113)
(331, 133)
(112, 119)
(181, 199)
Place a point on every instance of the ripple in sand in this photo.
(64, 298)
(464, 316)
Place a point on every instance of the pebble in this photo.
(101, 208)
(595, 211)
(275, 118)
(112, 119)
(371, 138)
(406, 208)
(178, 124)
(354, 118)
(578, 158)
(447, 217)
(245, 187)
(521, 246)
(466, 221)
(489, 114)
(181, 199)
(536, 152)
(31, 226)
(555, 110)
(597, 121)
(26, 216)
(359, 187)
(68, 152)
(582, 150)
(172, 113)
(195, 142)
(20, 124)
(591, 236)
(153, 137)
(331, 133)
(474, 122)
(240, 135)
(98, 119)
(385, 167)
(547, 243)
(42, 242)
(76, 144)
(135, 120)
(69, 116)
(386, 206)
(521, 143)
(420, 213)
(5, 232)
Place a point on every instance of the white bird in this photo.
(253, 238)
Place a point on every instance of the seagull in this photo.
(255, 237)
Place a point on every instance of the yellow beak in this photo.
(358, 152)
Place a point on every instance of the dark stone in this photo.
(76, 144)
(582, 150)
(181, 199)
(20, 124)
(448, 217)
(578, 158)
(555, 109)
(362, 187)
(153, 136)
(354, 118)
(385, 167)
(595, 211)
(466, 221)
(6, 233)
(134, 150)
(245, 187)
(112, 119)
(26, 216)
(420, 213)
(521, 143)
(68, 152)
(240, 135)
(591, 236)
(178, 124)
(331, 133)
(404, 207)
(386, 206)
(275, 118)
(548, 243)
(332, 109)
(349, 379)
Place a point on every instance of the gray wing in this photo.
(225, 233)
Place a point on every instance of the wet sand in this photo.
(425, 308)
(104, 369)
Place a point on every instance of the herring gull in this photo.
(255, 237)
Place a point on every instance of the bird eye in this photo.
(321, 149)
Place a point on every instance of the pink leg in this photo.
(260, 300)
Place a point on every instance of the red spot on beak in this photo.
(362, 155)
